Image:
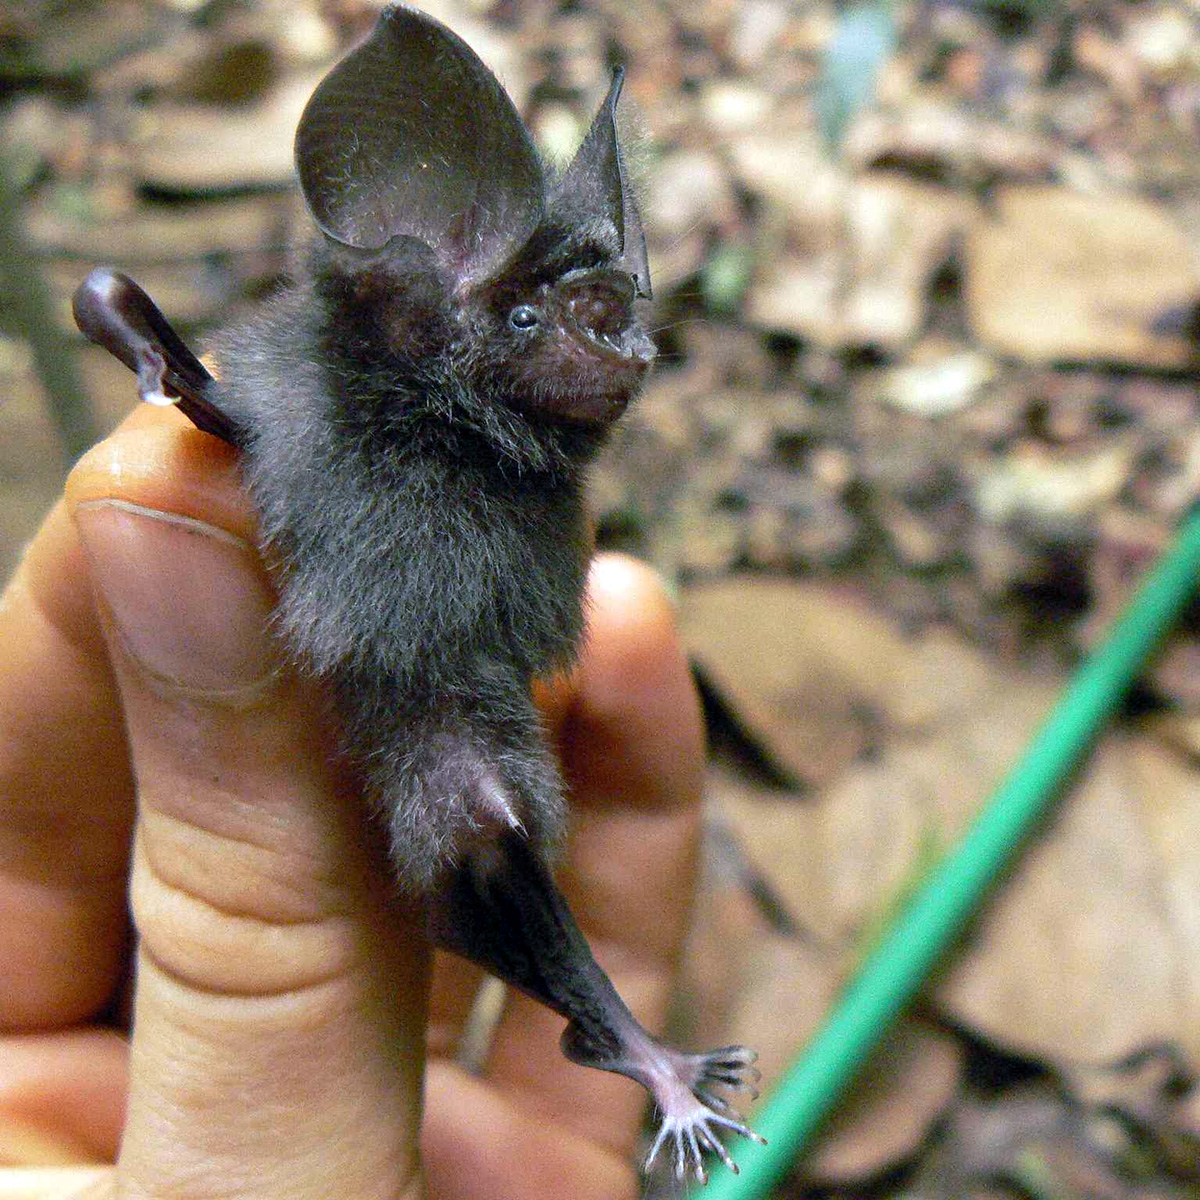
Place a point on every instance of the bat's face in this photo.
(446, 238)
(567, 349)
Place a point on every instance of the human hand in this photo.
(286, 1009)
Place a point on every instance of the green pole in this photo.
(911, 946)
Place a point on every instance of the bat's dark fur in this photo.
(416, 412)
(434, 563)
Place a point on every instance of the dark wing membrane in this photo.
(113, 311)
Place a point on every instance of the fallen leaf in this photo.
(783, 987)
(199, 149)
(799, 673)
(909, 1082)
(1059, 275)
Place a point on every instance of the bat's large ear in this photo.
(598, 180)
(412, 136)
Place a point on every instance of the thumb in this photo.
(279, 1010)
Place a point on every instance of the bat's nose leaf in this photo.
(411, 135)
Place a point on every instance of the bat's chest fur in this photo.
(404, 553)
(434, 571)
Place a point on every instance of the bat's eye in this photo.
(523, 317)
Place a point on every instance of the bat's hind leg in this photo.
(511, 919)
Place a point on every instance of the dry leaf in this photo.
(1086, 950)
(1060, 275)
(910, 1081)
(201, 149)
(783, 987)
(899, 233)
(799, 664)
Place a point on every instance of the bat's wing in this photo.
(114, 312)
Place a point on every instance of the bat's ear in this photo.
(598, 181)
(412, 136)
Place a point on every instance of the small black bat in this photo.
(415, 412)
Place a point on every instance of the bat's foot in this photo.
(692, 1114)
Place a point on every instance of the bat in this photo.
(415, 412)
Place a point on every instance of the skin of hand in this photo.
(294, 1036)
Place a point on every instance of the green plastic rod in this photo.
(895, 970)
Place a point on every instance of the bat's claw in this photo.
(693, 1116)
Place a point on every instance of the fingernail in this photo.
(189, 601)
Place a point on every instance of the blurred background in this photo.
(927, 300)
